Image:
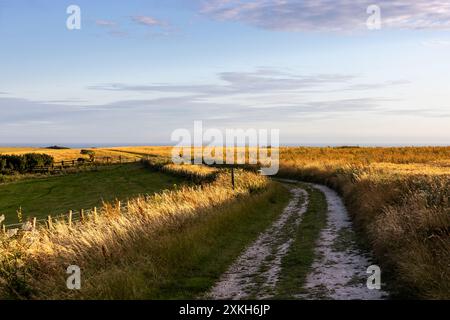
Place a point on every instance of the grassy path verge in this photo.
(185, 263)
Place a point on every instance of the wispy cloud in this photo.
(330, 15)
(264, 93)
(113, 28)
(131, 118)
(259, 81)
(242, 99)
(373, 86)
(148, 21)
(63, 101)
(153, 26)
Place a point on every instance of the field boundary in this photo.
(81, 215)
(72, 216)
(66, 164)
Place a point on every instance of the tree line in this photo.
(24, 163)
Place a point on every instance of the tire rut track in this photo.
(246, 278)
(339, 270)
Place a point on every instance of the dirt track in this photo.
(255, 273)
(339, 269)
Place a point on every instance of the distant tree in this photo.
(24, 163)
(57, 147)
(90, 153)
(33, 160)
(2, 164)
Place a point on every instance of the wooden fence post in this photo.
(70, 218)
(4, 229)
(19, 214)
(95, 214)
(49, 222)
(34, 223)
(232, 177)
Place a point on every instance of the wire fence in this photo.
(70, 218)
(82, 163)
(73, 216)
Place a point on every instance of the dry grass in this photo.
(366, 155)
(399, 198)
(164, 151)
(66, 154)
(31, 263)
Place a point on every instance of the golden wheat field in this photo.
(64, 154)
(398, 199)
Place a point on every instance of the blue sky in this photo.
(137, 70)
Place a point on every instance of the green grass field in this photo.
(57, 195)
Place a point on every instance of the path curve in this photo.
(338, 272)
